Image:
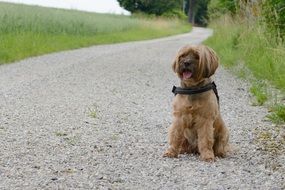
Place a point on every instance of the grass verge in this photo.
(278, 114)
(258, 90)
(245, 46)
(30, 30)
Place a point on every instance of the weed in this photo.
(259, 92)
(93, 111)
(93, 114)
(60, 134)
(71, 140)
(278, 114)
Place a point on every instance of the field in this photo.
(30, 30)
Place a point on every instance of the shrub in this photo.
(273, 12)
(175, 13)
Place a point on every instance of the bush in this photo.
(157, 7)
(273, 12)
(218, 8)
(175, 14)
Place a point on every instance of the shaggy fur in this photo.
(197, 123)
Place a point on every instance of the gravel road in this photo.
(97, 118)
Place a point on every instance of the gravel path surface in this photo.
(97, 118)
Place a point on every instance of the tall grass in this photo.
(30, 30)
(240, 42)
(244, 45)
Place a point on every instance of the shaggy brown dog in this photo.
(197, 125)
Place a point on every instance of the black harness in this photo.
(190, 91)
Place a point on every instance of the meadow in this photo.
(31, 30)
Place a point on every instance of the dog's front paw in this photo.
(170, 154)
(208, 157)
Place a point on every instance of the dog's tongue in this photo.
(186, 75)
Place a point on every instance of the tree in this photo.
(191, 13)
(157, 7)
(197, 11)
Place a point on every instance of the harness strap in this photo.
(190, 91)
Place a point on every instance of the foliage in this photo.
(240, 42)
(218, 8)
(252, 35)
(200, 11)
(258, 90)
(201, 16)
(278, 114)
(273, 12)
(29, 30)
(156, 7)
(170, 8)
(229, 5)
(175, 13)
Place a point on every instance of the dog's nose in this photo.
(186, 64)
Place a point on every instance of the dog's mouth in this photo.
(186, 75)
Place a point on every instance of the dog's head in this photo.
(194, 63)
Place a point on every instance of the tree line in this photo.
(196, 10)
(270, 12)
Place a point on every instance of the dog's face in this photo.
(194, 63)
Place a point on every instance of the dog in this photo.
(197, 125)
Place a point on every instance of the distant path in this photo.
(49, 140)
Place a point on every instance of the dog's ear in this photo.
(208, 61)
(175, 65)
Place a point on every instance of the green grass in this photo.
(238, 41)
(278, 114)
(60, 134)
(93, 114)
(93, 111)
(244, 46)
(258, 90)
(30, 30)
